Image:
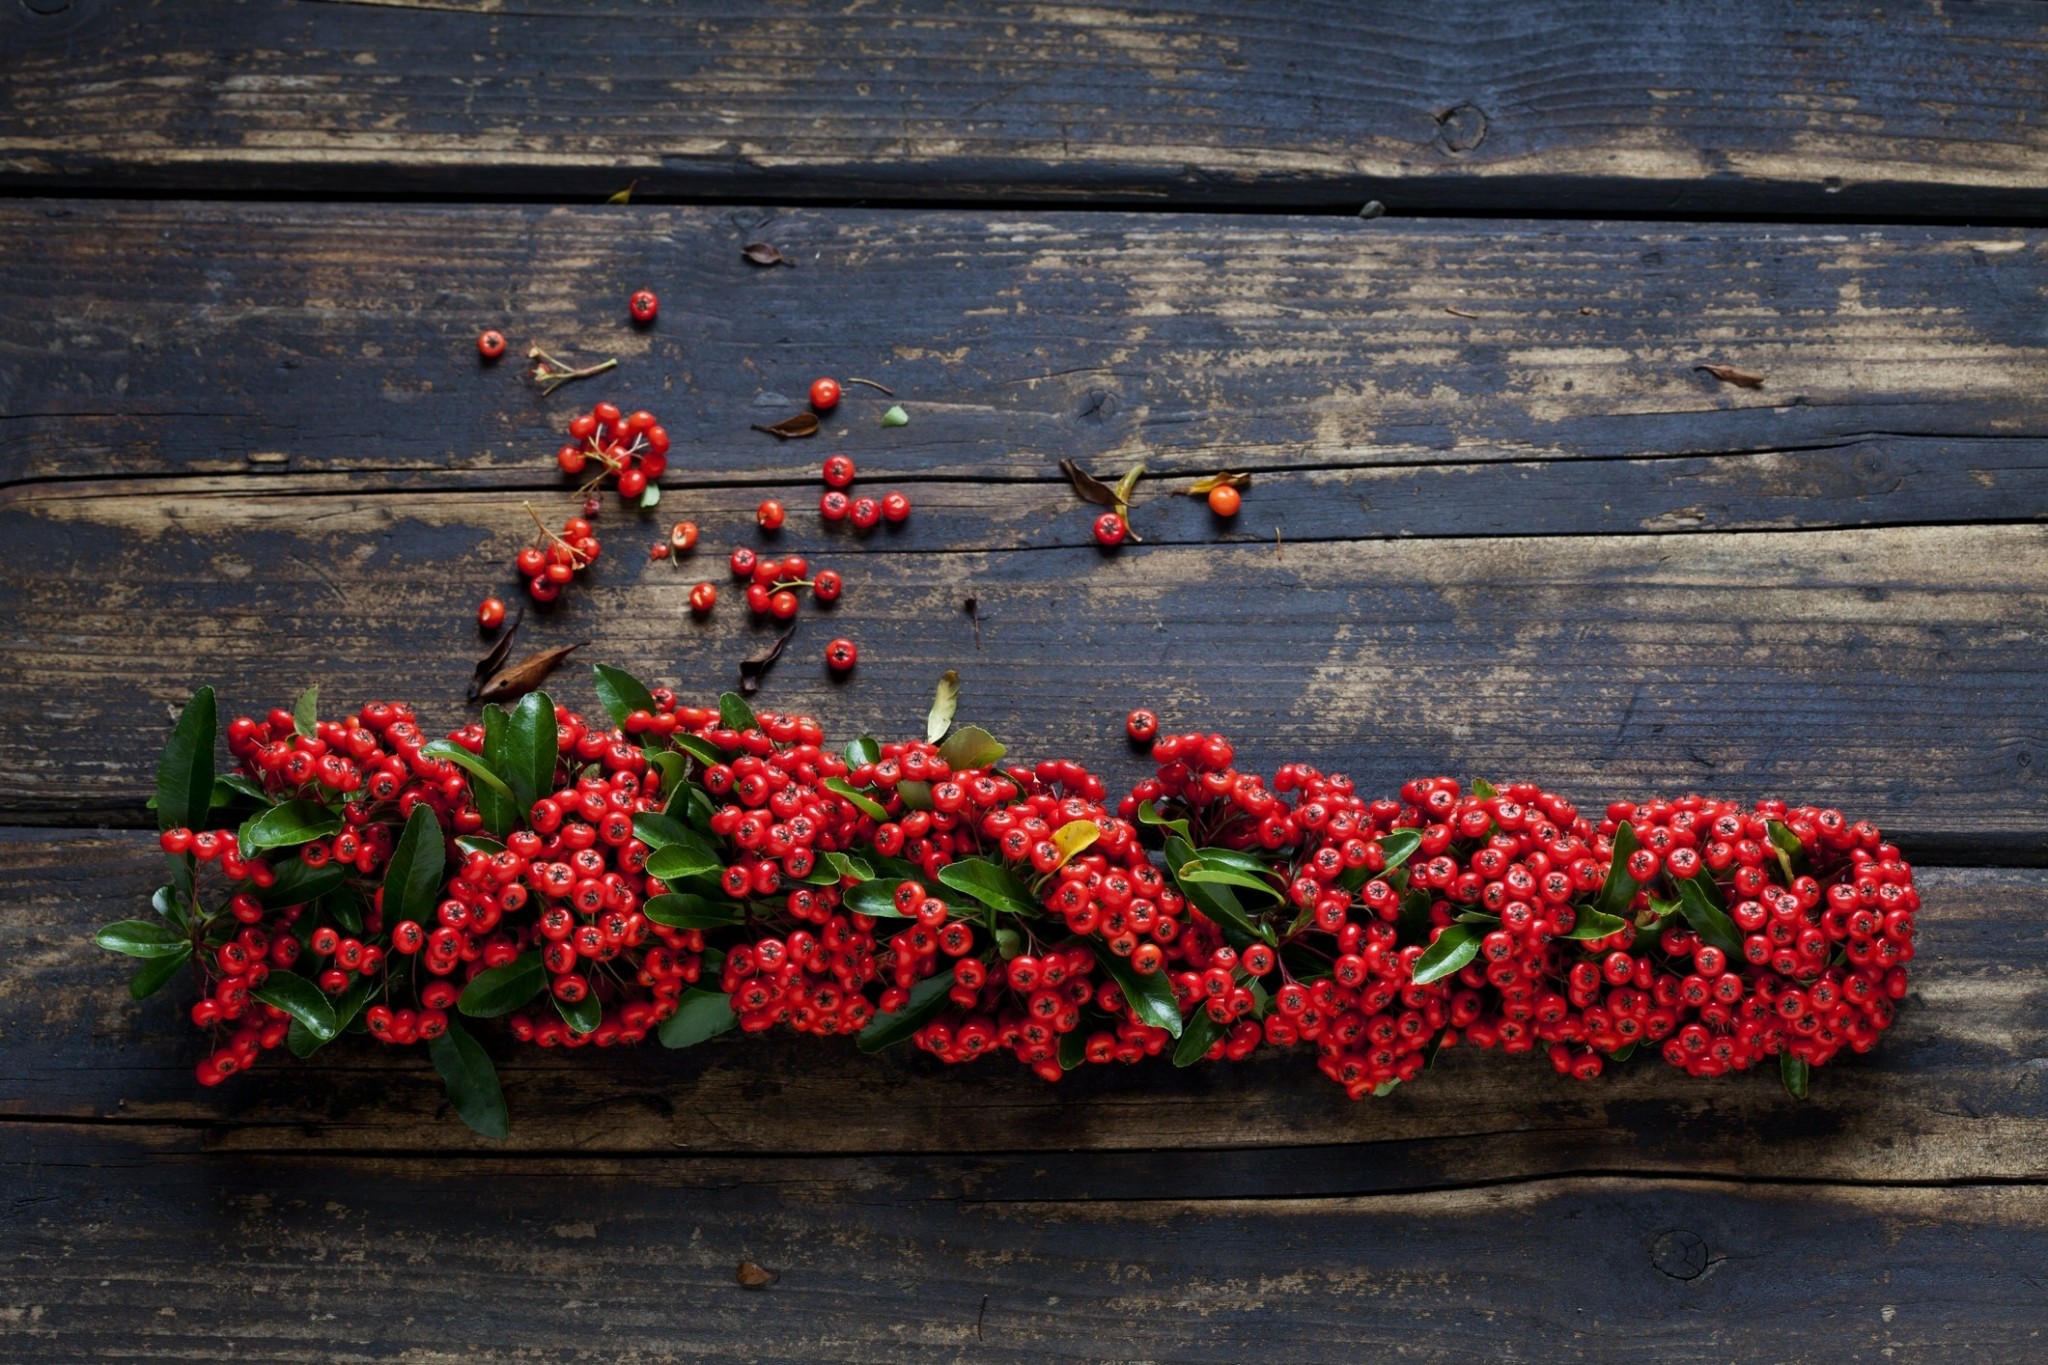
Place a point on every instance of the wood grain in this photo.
(321, 339)
(302, 1259)
(1714, 107)
(1952, 1095)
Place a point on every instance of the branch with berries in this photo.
(678, 872)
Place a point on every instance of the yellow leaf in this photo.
(1072, 838)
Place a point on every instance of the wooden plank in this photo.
(322, 339)
(1949, 1096)
(1893, 672)
(1718, 107)
(305, 1258)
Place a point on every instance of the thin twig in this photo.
(551, 374)
(873, 385)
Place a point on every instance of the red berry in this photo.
(531, 562)
(783, 605)
(1142, 725)
(632, 483)
(865, 513)
(833, 506)
(841, 655)
(590, 507)
(757, 598)
(643, 306)
(1224, 500)
(491, 345)
(743, 561)
(582, 427)
(827, 586)
(490, 613)
(703, 598)
(658, 550)
(683, 538)
(838, 468)
(824, 394)
(795, 569)
(895, 507)
(769, 515)
(571, 459)
(543, 589)
(1110, 529)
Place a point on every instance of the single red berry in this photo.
(1110, 529)
(742, 561)
(582, 426)
(865, 513)
(683, 538)
(491, 345)
(531, 562)
(795, 569)
(838, 469)
(767, 570)
(895, 507)
(703, 598)
(841, 655)
(590, 507)
(824, 394)
(571, 459)
(632, 483)
(757, 598)
(827, 586)
(833, 506)
(490, 613)
(769, 515)
(643, 306)
(658, 550)
(543, 589)
(783, 605)
(1225, 500)
(1142, 725)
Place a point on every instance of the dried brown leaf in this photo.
(1728, 374)
(754, 669)
(527, 674)
(1086, 486)
(791, 428)
(1203, 487)
(752, 1276)
(1459, 312)
(494, 657)
(760, 253)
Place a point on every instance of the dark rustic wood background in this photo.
(1501, 526)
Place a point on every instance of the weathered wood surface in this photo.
(115, 1250)
(341, 338)
(1719, 106)
(1953, 1095)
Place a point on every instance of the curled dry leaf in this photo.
(760, 253)
(1728, 374)
(753, 1276)
(754, 669)
(494, 657)
(526, 675)
(945, 702)
(790, 428)
(1203, 487)
(1086, 486)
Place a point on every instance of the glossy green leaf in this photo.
(699, 748)
(699, 1015)
(1208, 874)
(497, 804)
(306, 712)
(970, 746)
(681, 861)
(412, 879)
(650, 496)
(584, 1016)
(1619, 890)
(302, 1000)
(295, 883)
(945, 701)
(915, 795)
(1795, 1074)
(622, 695)
(141, 938)
(1197, 1038)
(289, 825)
(498, 991)
(735, 714)
(861, 751)
(990, 883)
(345, 908)
(184, 775)
(1452, 951)
(472, 1081)
(1700, 903)
(682, 910)
(473, 764)
(1148, 814)
(479, 843)
(531, 750)
(164, 900)
(1216, 901)
(659, 830)
(927, 998)
(867, 806)
(875, 899)
(1590, 923)
(303, 1042)
(1073, 1048)
(1150, 997)
(228, 786)
(154, 974)
(1397, 846)
(1483, 789)
(1791, 853)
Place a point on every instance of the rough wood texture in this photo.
(1712, 107)
(294, 1259)
(343, 338)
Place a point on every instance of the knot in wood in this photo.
(1461, 128)
(1680, 1254)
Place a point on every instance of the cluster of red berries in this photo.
(629, 448)
(935, 893)
(865, 513)
(549, 566)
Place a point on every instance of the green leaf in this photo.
(498, 805)
(735, 714)
(927, 998)
(302, 1000)
(1397, 846)
(1073, 1049)
(1150, 997)
(1791, 853)
(699, 748)
(497, 991)
(1148, 814)
(164, 900)
(1622, 1054)
(1218, 902)
(1795, 1074)
(1197, 1038)
(1453, 949)
(184, 775)
(531, 749)
(867, 806)
(945, 701)
(230, 785)
(862, 751)
(584, 1016)
(699, 1015)
(297, 884)
(680, 861)
(141, 938)
(473, 764)
(1483, 789)
(306, 712)
(681, 910)
(650, 496)
(621, 693)
(896, 417)
(993, 885)
(344, 907)
(1386, 1088)
(289, 825)
(471, 1080)
(915, 795)
(1700, 904)
(875, 899)
(412, 879)
(152, 976)
(1619, 890)
(1590, 923)
(658, 831)
(970, 746)
(479, 843)
(304, 1042)
(1210, 875)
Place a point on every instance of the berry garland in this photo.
(688, 870)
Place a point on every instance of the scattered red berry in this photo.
(865, 512)
(795, 568)
(838, 470)
(1110, 530)
(827, 586)
(703, 598)
(643, 306)
(757, 598)
(490, 613)
(491, 345)
(841, 655)
(833, 506)
(591, 507)
(1142, 726)
(743, 562)
(769, 515)
(658, 550)
(895, 507)
(683, 538)
(824, 394)
(1225, 500)
(783, 605)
